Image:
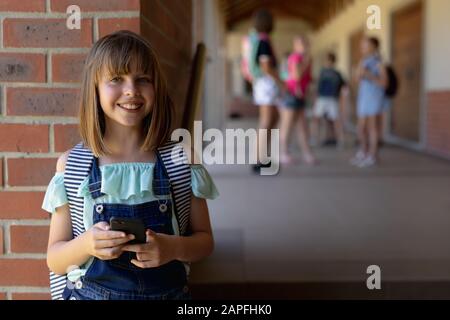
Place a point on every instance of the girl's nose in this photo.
(130, 89)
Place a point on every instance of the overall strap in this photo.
(161, 182)
(174, 160)
(77, 168)
(95, 180)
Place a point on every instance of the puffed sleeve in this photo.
(56, 193)
(202, 183)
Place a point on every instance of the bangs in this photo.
(122, 55)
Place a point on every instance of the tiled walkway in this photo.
(328, 223)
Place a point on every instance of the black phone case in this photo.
(129, 226)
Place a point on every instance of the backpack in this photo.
(79, 162)
(392, 86)
(249, 67)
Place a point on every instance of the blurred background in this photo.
(308, 232)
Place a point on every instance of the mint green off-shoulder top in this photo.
(125, 183)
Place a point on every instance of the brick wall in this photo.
(168, 25)
(438, 123)
(40, 64)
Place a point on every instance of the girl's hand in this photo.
(157, 251)
(103, 243)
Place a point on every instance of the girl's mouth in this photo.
(130, 106)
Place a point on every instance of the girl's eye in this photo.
(145, 80)
(115, 79)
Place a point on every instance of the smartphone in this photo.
(129, 226)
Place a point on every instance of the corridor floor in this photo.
(328, 223)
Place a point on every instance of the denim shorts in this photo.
(290, 101)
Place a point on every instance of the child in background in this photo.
(327, 103)
(266, 83)
(372, 78)
(292, 106)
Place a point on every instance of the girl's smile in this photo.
(131, 105)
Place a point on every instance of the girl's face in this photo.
(126, 99)
(299, 45)
(366, 47)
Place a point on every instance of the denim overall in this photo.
(119, 279)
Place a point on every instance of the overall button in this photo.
(99, 208)
(78, 284)
(163, 207)
(72, 298)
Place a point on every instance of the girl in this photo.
(119, 171)
(372, 78)
(265, 83)
(293, 103)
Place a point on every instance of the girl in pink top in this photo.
(293, 105)
(298, 86)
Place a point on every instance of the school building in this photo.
(305, 233)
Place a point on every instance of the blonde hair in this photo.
(114, 54)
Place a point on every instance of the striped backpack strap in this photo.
(174, 158)
(77, 169)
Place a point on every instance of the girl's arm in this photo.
(63, 251)
(359, 73)
(301, 67)
(267, 68)
(201, 243)
(381, 80)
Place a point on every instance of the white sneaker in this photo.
(359, 156)
(367, 162)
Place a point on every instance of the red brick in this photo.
(31, 171)
(66, 136)
(89, 5)
(438, 117)
(22, 205)
(24, 272)
(22, 67)
(2, 296)
(42, 101)
(29, 239)
(67, 67)
(107, 26)
(24, 137)
(30, 296)
(2, 247)
(45, 33)
(22, 6)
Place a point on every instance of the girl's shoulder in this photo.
(62, 160)
(64, 157)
